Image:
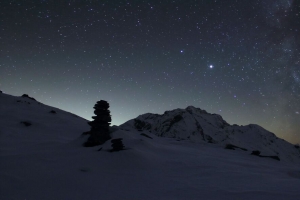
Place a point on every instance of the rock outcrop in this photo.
(27, 96)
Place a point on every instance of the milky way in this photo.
(239, 59)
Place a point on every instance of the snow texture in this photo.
(178, 155)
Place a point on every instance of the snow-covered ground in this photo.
(46, 160)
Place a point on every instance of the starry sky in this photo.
(236, 58)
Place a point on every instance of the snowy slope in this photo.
(197, 125)
(47, 161)
(48, 124)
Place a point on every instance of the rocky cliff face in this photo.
(197, 125)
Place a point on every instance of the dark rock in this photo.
(26, 96)
(26, 123)
(143, 134)
(84, 169)
(233, 147)
(273, 157)
(230, 146)
(140, 125)
(53, 111)
(210, 140)
(176, 119)
(256, 153)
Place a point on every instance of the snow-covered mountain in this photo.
(177, 155)
(197, 125)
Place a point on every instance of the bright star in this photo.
(211, 66)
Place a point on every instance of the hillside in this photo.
(165, 157)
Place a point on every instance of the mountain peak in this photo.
(193, 109)
(197, 125)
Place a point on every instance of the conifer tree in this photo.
(99, 132)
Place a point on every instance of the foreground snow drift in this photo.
(157, 168)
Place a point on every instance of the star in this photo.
(128, 61)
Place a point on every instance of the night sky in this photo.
(236, 58)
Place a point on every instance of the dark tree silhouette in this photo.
(117, 144)
(99, 132)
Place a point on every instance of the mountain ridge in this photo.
(198, 125)
(191, 124)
